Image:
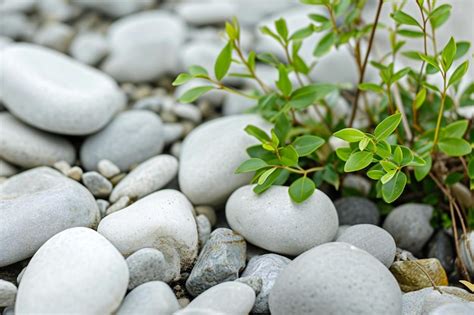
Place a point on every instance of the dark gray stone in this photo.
(441, 247)
(97, 184)
(357, 210)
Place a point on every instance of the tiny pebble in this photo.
(75, 173)
(209, 212)
(107, 168)
(62, 166)
(103, 205)
(97, 184)
(119, 205)
(117, 178)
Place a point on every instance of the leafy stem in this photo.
(440, 112)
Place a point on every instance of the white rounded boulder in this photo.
(274, 222)
(76, 272)
(53, 92)
(162, 220)
(210, 155)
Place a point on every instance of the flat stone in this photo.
(37, 204)
(206, 13)
(27, 147)
(149, 176)
(149, 264)
(221, 259)
(292, 230)
(82, 263)
(151, 298)
(7, 293)
(210, 155)
(374, 240)
(131, 138)
(54, 35)
(267, 267)
(115, 8)
(107, 168)
(57, 94)
(335, 278)
(172, 132)
(188, 112)
(410, 225)
(161, 219)
(411, 275)
(357, 210)
(97, 184)
(103, 205)
(89, 48)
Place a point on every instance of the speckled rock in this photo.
(267, 267)
(374, 240)
(160, 220)
(410, 225)
(37, 204)
(82, 263)
(7, 293)
(25, 146)
(149, 176)
(131, 138)
(221, 259)
(151, 298)
(97, 184)
(335, 278)
(411, 277)
(291, 230)
(357, 210)
(209, 156)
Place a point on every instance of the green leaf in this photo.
(308, 95)
(231, 31)
(440, 15)
(358, 160)
(181, 79)
(430, 60)
(251, 165)
(383, 149)
(289, 156)
(198, 71)
(407, 156)
(458, 73)
(367, 86)
(422, 171)
(343, 153)
(453, 178)
(410, 33)
(456, 129)
(462, 48)
(325, 44)
(415, 55)
(363, 144)
(282, 28)
(470, 168)
(284, 83)
(315, 2)
(350, 134)
(275, 177)
(375, 174)
(301, 189)
(394, 188)
(318, 18)
(388, 166)
(403, 18)
(387, 126)
(265, 30)
(307, 144)
(454, 146)
(420, 98)
(251, 60)
(223, 61)
(388, 176)
(331, 176)
(398, 155)
(265, 175)
(303, 33)
(282, 127)
(448, 54)
(194, 93)
(400, 74)
(257, 133)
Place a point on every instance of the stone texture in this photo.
(411, 275)
(467, 251)
(357, 210)
(97, 184)
(441, 247)
(89, 48)
(7, 293)
(107, 168)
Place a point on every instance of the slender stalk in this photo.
(364, 65)
(440, 113)
(252, 72)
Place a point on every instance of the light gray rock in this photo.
(115, 8)
(136, 54)
(410, 225)
(153, 103)
(57, 10)
(357, 210)
(210, 12)
(236, 104)
(75, 173)
(82, 263)
(162, 219)
(6, 169)
(10, 310)
(175, 149)
(221, 259)
(340, 230)
(210, 155)
(37, 204)
(103, 205)
(149, 264)
(357, 183)
(291, 230)
(209, 212)
(454, 309)
(149, 176)
(54, 35)
(107, 168)
(17, 6)
(225, 298)
(373, 239)
(7, 293)
(267, 267)
(16, 26)
(254, 282)
(4, 42)
(467, 251)
(62, 166)
(131, 138)
(204, 229)
(428, 299)
(57, 94)
(118, 205)
(89, 48)
(335, 278)
(25, 146)
(172, 132)
(97, 184)
(188, 112)
(151, 298)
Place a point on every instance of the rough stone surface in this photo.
(149, 264)
(7, 293)
(291, 230)
(25, 146)
(131, 138)
(204, 229)
(335, 278)
(161, 220)
(221, 259)
(267, 267)
(410, 225)
(149, 176)
(57, 94)
(151, 298)
(37, 204)
(209, 156)
(97, 184)
(374, 240)
(96, 275)
(357, 210)
(411, 277)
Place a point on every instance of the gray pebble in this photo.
(172, 132)
(7, 169)
(204, 229)
(97, 184)
(89, 47)
(103, 205)
(188, 112)
(209, 212)
(7, 293)
(254, 282)
(118, 205)
(75, 173)
(175, 149)
(441, 247)
(357, 210)
(54, 35)
(62, 166)
(152, 103)
(107, 168)
(221, 259)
